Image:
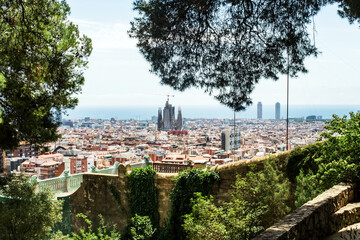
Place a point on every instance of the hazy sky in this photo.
(118, 75)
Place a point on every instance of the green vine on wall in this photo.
(186, 184)
(115, 194)
(143, 194)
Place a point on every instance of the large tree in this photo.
(24, 213)
(226, 46)
(42, 59)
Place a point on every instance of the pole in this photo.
(234, 137)
(4, 160)
(287, 102)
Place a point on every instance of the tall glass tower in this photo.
(277, 111)
(259, 110)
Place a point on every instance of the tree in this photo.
(42, 59)
(224, 47)
(340, 154)
(227, 46)
(259, 199)
(349, 9)
(24, 213)
(206, 220)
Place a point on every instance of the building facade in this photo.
(230, 139)
(78, 165)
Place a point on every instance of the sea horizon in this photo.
(209, 112)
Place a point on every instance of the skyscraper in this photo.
(259, 110)
(277, 111)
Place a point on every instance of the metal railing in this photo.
(68, 183)
(170, 167)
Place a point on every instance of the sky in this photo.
(118, 75)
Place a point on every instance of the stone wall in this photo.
(107, 194)
(228, 173)
(101, 194)
(313, 219)
(164, 183)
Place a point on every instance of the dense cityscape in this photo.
(86, 151)
(99, 143)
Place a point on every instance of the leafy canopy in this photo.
(42, 59)
(226, 46)
(340, 152)
(24, 213)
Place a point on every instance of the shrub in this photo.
(259, 199)
(141, 228)
(186, 184)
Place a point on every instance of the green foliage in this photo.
(143, 194)
(226, 47)
(334, 159)
(65, 226)
(267, 188)
(206, 220)
(141, 228)
(259, 200)
(58, 235)
(116, 194)
(102, 232)
(42, 61)
(24, 213)
(340, 152)
(302, 158)
(307, 187)
(187, 183)
(188, 43)
(349, 9)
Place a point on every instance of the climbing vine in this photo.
(187, 183)
(143, 194)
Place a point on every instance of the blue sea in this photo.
(145, 113)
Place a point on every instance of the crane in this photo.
(169, 95)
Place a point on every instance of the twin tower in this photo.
(167, 120)
(277, 111)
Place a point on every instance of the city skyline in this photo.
(126, 81)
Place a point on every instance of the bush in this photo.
(141, 228)
(302, 157)
(259, 199)
(307, 187)
(24, 213)
(340, 153)
(186, 184)
(101, 233)
(206, 221)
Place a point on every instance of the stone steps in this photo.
(349, 233)
(345, 216)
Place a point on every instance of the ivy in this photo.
(115, 194)
(187, 183)
(143, 194)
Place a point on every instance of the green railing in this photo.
(71, 182)
(68, 183)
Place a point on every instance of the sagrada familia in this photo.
(167, 120)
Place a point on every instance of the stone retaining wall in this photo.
(313, 219)
(107, 194)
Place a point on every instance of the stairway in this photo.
(347, 222)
